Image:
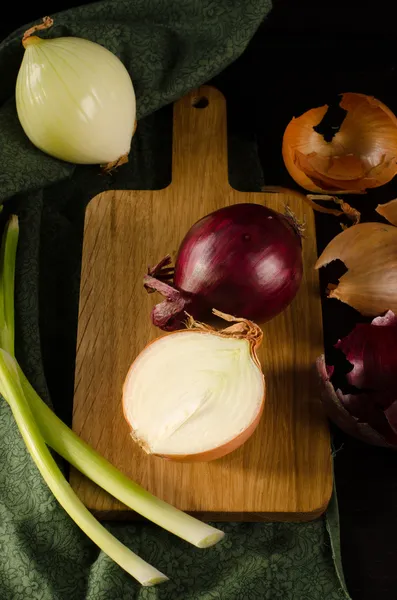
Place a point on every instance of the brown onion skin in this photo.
(360, 155)
(369, 251)
(208, 455)
(244, 259)
(297, 175)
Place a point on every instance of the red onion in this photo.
(363, 401)
(243, 260)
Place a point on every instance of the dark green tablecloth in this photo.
(169, 46)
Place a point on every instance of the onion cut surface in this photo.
(196, 394)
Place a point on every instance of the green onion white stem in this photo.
(89, 462)
(40, 426)
(12, 391)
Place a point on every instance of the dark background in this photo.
(302, 56)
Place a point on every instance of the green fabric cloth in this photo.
(168, 47)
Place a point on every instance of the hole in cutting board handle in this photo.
(200, 102)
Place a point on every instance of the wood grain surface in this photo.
(284, 471)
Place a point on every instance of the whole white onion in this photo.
(75, 100)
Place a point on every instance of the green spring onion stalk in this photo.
(7, 278)
(12, 391)
(40, 426)
(89, 462)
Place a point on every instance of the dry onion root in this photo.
(369, 251)
(196, 394)
(311, 199)
(361, 155)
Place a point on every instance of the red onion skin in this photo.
(369, 411)
(372, 350)
(243, 259)
(337, 404)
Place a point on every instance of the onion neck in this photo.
(32, 40)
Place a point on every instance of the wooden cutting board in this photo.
(284, 471)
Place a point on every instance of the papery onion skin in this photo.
(368, 410)
(372, 350)
(388, 211)
(369, 251)
(361, 155)
(75, 100)
(244, 259)
(339, 415)
(288, 154)
(241, 329)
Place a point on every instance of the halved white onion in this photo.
(196, 394)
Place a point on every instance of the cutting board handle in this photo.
(199, 150)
